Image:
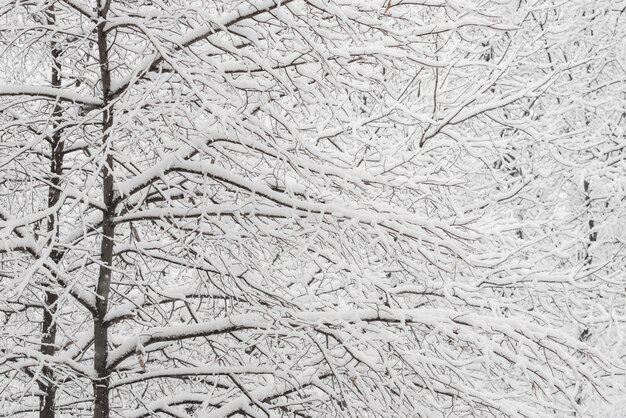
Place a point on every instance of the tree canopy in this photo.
(312, 208)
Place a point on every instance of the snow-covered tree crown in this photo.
(310, 208)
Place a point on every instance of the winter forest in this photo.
(312, 208)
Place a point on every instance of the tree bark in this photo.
(101, 384)
(47, 385)
(593, 235)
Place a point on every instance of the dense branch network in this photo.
(300, 208)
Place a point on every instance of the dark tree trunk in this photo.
(101, 334)
(593, 235)
(49, 326)
(47, 385)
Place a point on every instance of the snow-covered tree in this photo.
(284, 208)
(583, 114)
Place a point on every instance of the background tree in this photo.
(587, 144)
(294, 208)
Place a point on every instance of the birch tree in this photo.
(279, 208)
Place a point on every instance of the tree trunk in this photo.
(47, 385)
(49, 327)
(101, 384)
(593, 235)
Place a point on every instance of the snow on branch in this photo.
(49, 93)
